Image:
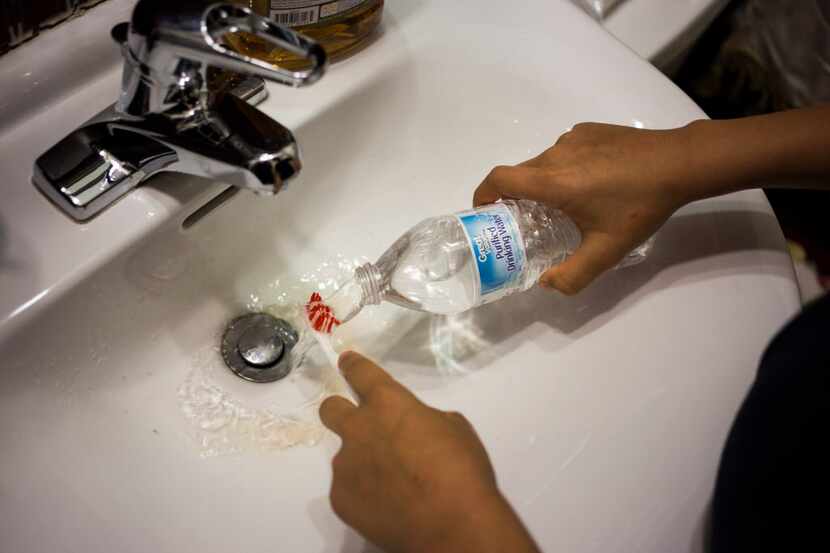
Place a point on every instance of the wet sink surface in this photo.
(604, 413)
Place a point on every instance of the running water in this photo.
(227, 415)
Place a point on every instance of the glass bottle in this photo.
(341, 27)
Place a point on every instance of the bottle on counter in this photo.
(341, 27)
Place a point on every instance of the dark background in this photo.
(727, 79)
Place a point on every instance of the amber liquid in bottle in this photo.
(340, 35)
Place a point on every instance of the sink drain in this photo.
(257, 347)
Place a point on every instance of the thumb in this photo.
(597, 253)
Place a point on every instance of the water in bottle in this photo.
(452, 263)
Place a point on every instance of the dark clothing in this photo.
(773, 484)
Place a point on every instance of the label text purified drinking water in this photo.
(496, 246)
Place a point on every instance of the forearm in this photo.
(790, 148)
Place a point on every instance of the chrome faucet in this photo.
(171, 117)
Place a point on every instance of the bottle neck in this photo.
(370, 279)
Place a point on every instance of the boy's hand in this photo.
(618, 184)
(412, 478)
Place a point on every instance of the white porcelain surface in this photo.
(662, 31)
(604, 413)
(41, 72)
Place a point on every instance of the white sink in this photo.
(604, 413)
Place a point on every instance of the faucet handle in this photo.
(168, 46)
(166, 118)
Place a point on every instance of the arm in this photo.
(411, 478)
(620, 184)
(790, 148)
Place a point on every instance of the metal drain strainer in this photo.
(257, 347)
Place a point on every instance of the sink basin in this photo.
(604, 413)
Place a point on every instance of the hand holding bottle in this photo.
(620, 184)
(610, 180)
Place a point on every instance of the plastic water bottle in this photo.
(452, 263)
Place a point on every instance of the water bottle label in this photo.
(497, 247)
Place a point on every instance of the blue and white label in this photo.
(497, 247)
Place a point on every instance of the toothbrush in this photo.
(320, 322)
(320, 315)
